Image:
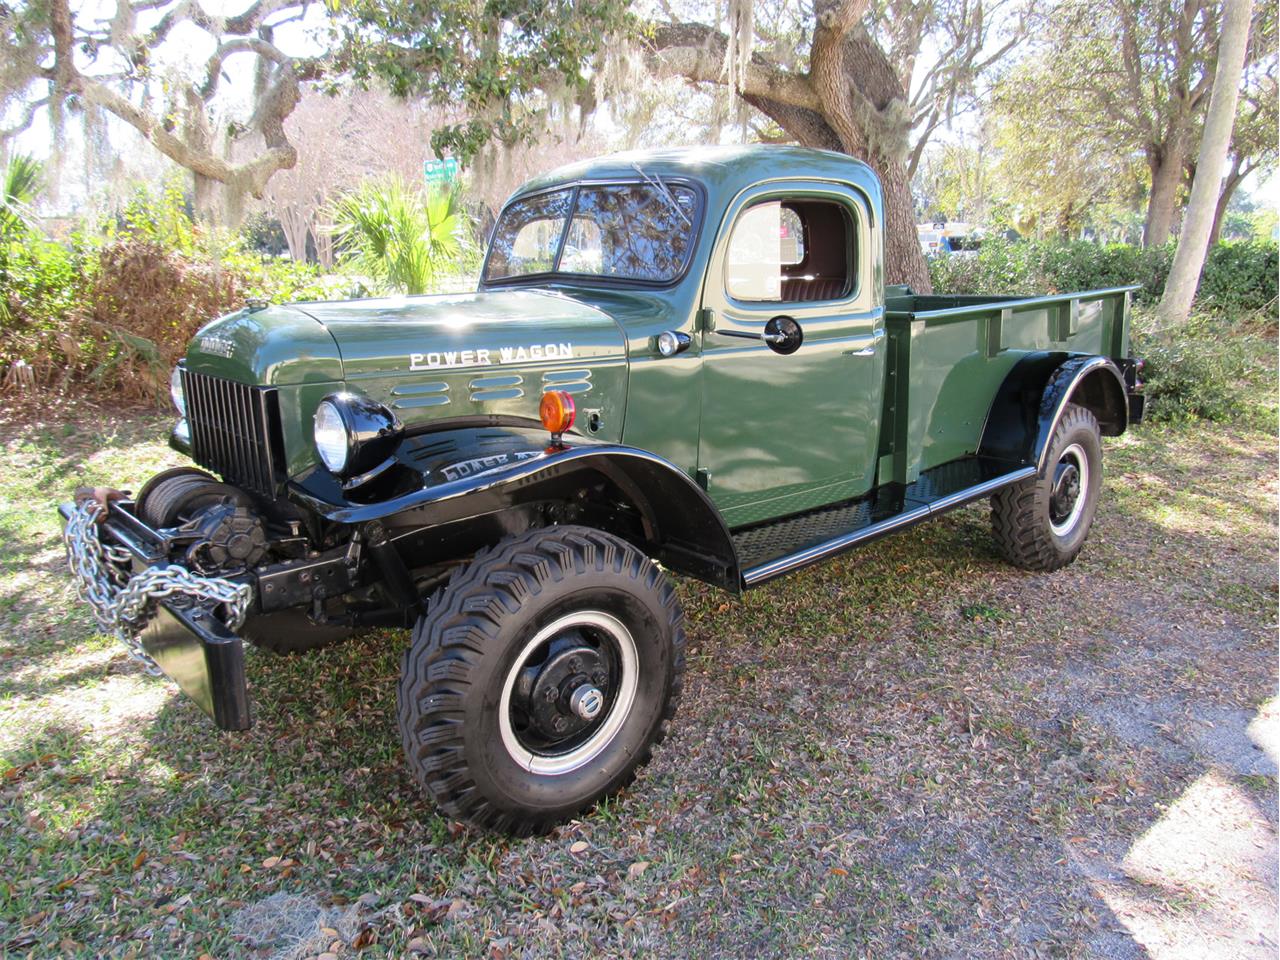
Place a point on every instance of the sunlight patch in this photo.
(1204, 878)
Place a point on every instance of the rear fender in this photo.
(1034, 396)
(504, 479)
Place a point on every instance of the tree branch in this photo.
(697, 53)
(213, 69)
(194, 153)
(28, 117)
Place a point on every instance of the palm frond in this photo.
(397, 233)
(20, 184)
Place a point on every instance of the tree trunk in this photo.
(323, 239)
(295, 225)
(1184, 275)
(903, 259)
(1234, 178)
(1165, 163)
(207, 199)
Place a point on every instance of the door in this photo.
(793, 352)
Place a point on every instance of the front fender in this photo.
(450, 476)
(1034, 395)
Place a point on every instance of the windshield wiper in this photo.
(656, 181)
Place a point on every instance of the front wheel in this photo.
(1042, 523)
(540, 678)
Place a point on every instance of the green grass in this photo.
(893, 753)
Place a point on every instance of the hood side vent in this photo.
(411, 396)
(570, 381)
(502, 387)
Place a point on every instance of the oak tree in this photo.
(852, 76)
(57, 58)
(1139, 73)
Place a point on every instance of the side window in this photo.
(792, 237)
(791, 251)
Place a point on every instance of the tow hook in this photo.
(102, 496)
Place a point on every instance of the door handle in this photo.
(866, 346)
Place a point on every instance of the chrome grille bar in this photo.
(231, 430)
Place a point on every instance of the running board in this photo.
(886, 511)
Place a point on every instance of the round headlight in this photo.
(175, 391)
(331, 436)
(356, 436)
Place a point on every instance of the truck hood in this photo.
(475, 332)
(394, 336)
(433, 358)
(272, 346)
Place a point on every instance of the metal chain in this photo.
(122, 604)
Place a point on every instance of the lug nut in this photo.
(551, 695)
(573, 664)
(558, 723)
(598, 678)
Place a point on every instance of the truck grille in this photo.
(234, 430)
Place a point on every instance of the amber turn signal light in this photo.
(556, 412)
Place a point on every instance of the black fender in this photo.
(453, 477)
(1034, 395)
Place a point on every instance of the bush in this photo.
(113, 310)
(399, 235)
(1203, 371)
(42, 286)
(1239, 277)
(143, 306)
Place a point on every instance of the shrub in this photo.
(42, 286)
(1201, 370)
(113, 310)
(145, 303)
(1239, 277)
(398, 235)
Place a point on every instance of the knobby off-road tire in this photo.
(496, 686)
(1042, 523)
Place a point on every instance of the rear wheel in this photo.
(1042, 523)
(540, 678)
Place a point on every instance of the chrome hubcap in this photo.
(1068, 495)
(568, 692)
(586, 702)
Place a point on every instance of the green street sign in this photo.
(441, 171)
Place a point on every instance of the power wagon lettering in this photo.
(483, 357)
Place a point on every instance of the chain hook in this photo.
(123, 604)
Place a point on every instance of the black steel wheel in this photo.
(1042, 523)
(540, 678)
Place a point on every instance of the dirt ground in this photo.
(910, 751)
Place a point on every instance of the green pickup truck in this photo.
(682, 361)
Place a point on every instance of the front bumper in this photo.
(185, 637)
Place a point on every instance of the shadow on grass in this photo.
(877, 756)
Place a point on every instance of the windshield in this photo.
(627, 231)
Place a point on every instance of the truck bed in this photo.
(947, 356)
